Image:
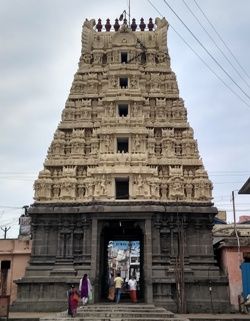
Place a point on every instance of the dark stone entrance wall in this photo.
(183, 242)
(61, 254)
(177, 245)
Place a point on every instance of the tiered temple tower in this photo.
(124, 165)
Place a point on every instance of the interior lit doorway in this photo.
(122, 251)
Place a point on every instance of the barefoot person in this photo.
(132, 289)
(85, 289)
(118, 287)
(111, 295)
(73, 299)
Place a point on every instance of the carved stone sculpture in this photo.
(115, 105)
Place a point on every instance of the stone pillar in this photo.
(93, 274)
(148, 262)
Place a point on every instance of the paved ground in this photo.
(201, 316)
(27, 315)
(204, 316)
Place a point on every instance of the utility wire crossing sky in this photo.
(209, 47)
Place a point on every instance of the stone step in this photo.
(129, 318)
(117, 312)
(104, 318)
(122, 314)
(120, 305)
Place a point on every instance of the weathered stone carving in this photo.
(113, 96)
(43, 185)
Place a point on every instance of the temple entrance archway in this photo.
(121, 250)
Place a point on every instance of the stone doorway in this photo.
(125, 234)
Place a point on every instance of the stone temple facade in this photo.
(124, 165)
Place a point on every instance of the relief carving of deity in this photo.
(67, 190)
(56, 191)
(137, 144)
(42, 189)
(87, 58)
(176, 189)
(154, 190)
(81, 191)
(189, 188)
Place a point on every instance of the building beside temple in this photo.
(232, 248)
(14, 258)
(124, 166)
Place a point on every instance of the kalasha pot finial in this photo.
(116, 25)
(108, 25)
(99, 25)
(142, 25)
(133, 24)
(150, 24)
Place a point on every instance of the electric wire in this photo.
(206, 50)
(224, 43)
(203, 61)
(214, 42)
(11, 207)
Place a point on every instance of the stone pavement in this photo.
(35, 316)
(215, 317)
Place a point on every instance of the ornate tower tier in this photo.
(124, 132)
(124, 166)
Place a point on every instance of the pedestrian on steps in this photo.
(73, 299)
(132, 289)
(85, 289)
(111, 284)
(118, 287)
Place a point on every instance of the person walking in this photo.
(111, 284)
(132, 289)
(73, 299)
(118, 281)
(85, 289)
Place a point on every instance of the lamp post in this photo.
(235, 225)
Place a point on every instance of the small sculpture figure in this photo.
(99, 25)
(133, 25)
(108, 25)
(142, 25)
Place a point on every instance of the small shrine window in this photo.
(143, 58)
(122, 145)
(122, 188)
(124, 82)
(122, 110)
(124, 57)
(5, 265)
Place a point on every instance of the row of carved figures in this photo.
(79, 145)
(134, 78)
(165, 147)
(94, 103)
(68, 189)
(161, 134)
(152, 114)
(114, 57)
(167, 87)
(164, 172)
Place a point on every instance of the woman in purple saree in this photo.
(85, 289)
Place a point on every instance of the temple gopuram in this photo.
(124, 166)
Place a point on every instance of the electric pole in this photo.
(235, 226)
(5, 230)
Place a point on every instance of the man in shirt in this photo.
(118, 286)
(132, 289)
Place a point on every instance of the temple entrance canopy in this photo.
(121, 249)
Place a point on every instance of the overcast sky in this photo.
(40, 45)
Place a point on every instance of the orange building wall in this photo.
(231, 261)
(18, 253)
